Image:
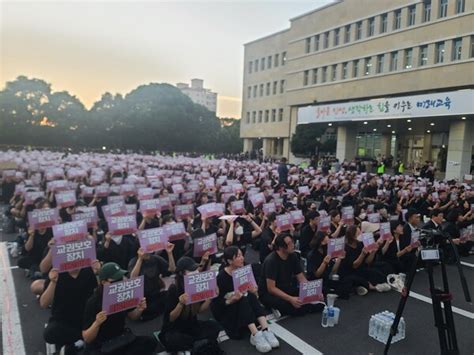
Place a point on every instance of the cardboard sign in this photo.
(200, 287)
(175, 231)
(369, 241)
(70, 232)
(120, 225)
(237, 206)
(204, 245)
(73, 255)
(123, 295)
(324, 223)
(150, 207)
(183, 212)
(415, 239)
(284, 222)
(385, 231)
(243, 279)
(297, 217)
(43, 218)
(336, 247)
(311, 291)
(257, 199)
(87, 214)
(153, 239)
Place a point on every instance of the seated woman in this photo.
(400, 259)
(181, 328)
(237, 312)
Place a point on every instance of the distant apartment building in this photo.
(198, 94)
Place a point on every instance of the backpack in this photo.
(207, 347)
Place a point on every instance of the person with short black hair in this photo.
(308, 232)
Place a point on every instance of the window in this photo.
(358, 30)
(393, 61)
(282, 86)
(371, 27)
(347, 34)
(261, 90)
(280, 114)
(383, 23)
(460, 6)
(248, 117)
(397, 21)
(315, 76)
(472, 46)
(267, 116)
(255, 91)
(426, 10)
(277, 60)
(316, 43)
(443, 8)
(336, 37)
(260, 116)
(262, 64)
(334, 72)
(380, 63)
(439, 52)
(273, 115)
(275, 85)
(457, 49)
(250, 67)
(411, 15)
(344, 71)
(254, 117)
(408, 59)
(324, 74)
(308, 45)
(256, 65)
(326, 40)
(305, 77)
(367, 66)
(249, 92)
(283, 58)
(269, 62)
(423, 56)
(268, 89)
(355, 68)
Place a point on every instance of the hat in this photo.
(369, 227)
(186, 263)
(111, 271)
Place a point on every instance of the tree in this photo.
(304, 140)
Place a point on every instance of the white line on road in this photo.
(291, 339)
(12, 336)
(467, 264)
(457, 310)
(9, 268)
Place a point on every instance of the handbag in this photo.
(118, 342)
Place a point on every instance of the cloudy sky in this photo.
(91, 47)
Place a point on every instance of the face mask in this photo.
(239, 230)
(117, 239)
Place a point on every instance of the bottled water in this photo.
(331, 318)
(324, 318)
(337, 312)
(380, 325)
(371, 326)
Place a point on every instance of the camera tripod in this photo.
(440, 297)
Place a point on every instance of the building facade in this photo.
(393, 77)
(198, 94)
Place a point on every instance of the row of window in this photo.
(267, 62)
(267, 89)
(265, 116)
(320, 75)
(321, 41)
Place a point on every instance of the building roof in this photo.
(335, 2)
(267, 36)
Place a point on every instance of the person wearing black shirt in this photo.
(283, 172)
(326, 202)
(237, 311)
(280, 275)
(67, 292)
(120, 249)
(35, 248)
(308, 232)
(400, 259)
(236, 235)
(100, 329)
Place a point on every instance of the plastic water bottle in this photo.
(324, 319)
(371, 326)
(331, 318)
(337, 312)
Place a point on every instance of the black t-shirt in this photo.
(314, 260)
(71, 294)
(265, 240)
(40, 244)
(351, 255)
(283, 272)
(307, 234)
(225, 285)
(188, 317)
(151, 269)
(119, 253)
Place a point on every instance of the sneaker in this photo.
(271, 338)
(261, 344)
(361, 291)
(385, 287)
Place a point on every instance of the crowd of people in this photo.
(344, 204)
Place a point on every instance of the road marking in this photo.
(9, 268)
(12, 336)
(292, 340)
(467, 264)
(457, 310)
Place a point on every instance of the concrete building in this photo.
(393, 77)
(198, 94)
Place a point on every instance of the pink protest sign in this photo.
(127, 189)
(200, 287)
(297, 217)
(237, 206)
(150, 207)
(115, 199)
(31, 196)
(123, 295)
(204, 245)
(243, 279)
(73, 255)
(57, 185)
(324, 223)
(182, 212)
(257, 199)
(369, 241)
(336, 247)
(102, 190)
(88, 214)
(348, 215)
(188, 197)
(131, 209)
(283, 222)
(303, 190)
(69, 232)
(115, 209)
(119, 225)
(153, 239)
(209, 210)
(385, 231)
(415, 239)
(373, 217)
(87, 191)
(145, 193)
(65, 198)
(311, 291)
(165, 203)
(175, 231)
(43, 218)
(268, 208)
(237, 188)
(177, 188)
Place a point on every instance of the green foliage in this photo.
(151, 117)
(304, 142)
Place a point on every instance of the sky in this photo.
(91, 47)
